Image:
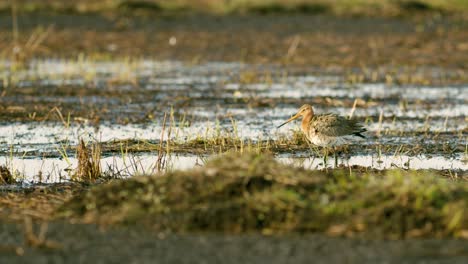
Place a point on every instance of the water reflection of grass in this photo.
(250, 192)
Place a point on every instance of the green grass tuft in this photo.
(252, 192)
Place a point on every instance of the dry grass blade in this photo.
(353, 109)
(161, 161)
(38, 241)
(59, 114)
(293, 47)
(38, 36)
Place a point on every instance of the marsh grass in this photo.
(294, 142)
(248, 192)
(89, 162)
(6, 177)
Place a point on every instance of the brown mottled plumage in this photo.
(326, 129)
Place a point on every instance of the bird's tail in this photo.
(359, 133)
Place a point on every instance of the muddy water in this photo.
(118, 100)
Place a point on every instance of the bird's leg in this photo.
(325, 156)
(336, 156)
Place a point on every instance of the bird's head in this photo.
(305, 110)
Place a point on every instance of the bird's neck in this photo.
(306, 121)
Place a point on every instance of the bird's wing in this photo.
(334, 125)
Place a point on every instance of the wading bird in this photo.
(327, 130)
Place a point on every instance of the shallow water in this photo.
(211, 99)
(48, 170)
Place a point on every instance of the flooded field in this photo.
(123, 104)
(154, 131)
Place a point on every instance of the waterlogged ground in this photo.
(48, 105)
(119, 75)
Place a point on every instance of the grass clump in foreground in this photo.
(253, 192)
(5, 176)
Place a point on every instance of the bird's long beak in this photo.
(296, 116)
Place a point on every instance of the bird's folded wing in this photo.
(334, 126)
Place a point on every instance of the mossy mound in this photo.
(251, 192)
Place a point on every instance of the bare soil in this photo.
(89, 243)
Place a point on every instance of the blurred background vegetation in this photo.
(224, 7)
